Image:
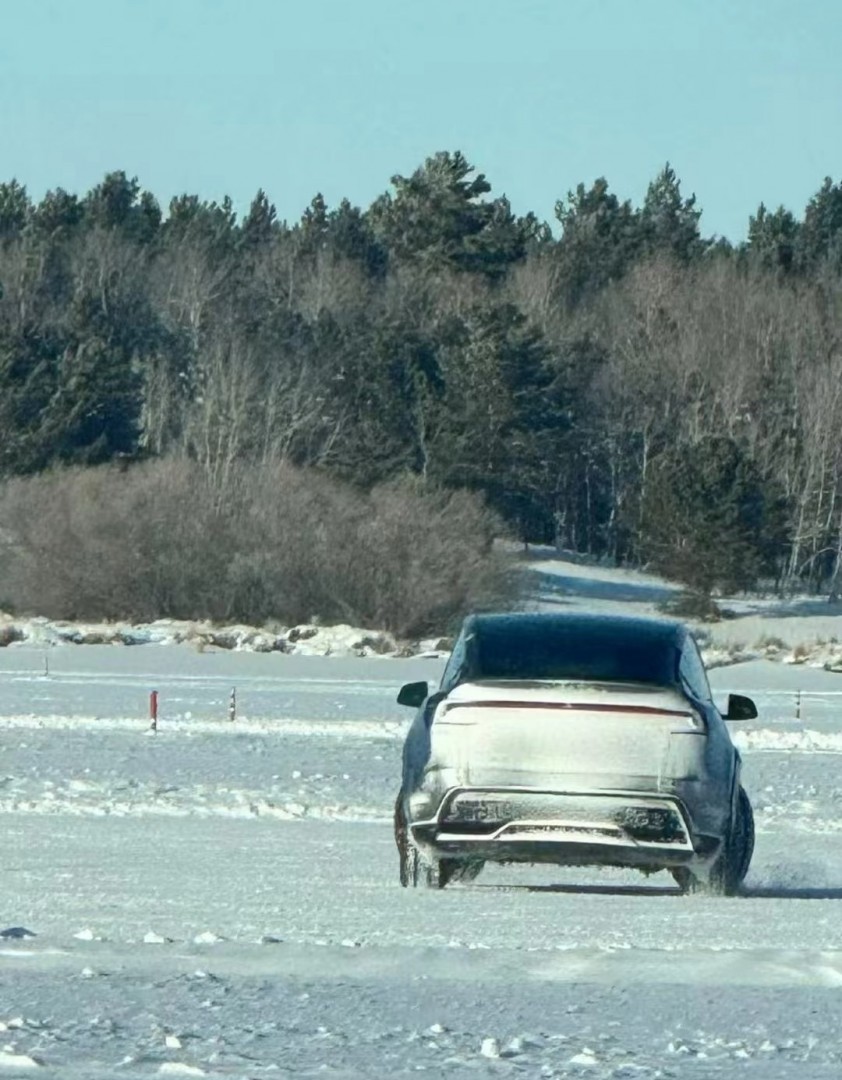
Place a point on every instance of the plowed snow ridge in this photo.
(355, 729)
(809, 742)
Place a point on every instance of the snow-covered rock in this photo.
(10, 1060)
(490, 1048)
(586, 1057)
(207, 937)
(310, 639)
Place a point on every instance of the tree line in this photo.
(617, 383)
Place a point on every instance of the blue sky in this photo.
(743, 97)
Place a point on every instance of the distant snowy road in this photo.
(221, 899)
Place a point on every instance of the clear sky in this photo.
(215, 97)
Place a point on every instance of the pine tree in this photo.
(820, 236)
(670, 223)
(773, 238)
(601, 238)
(437, 217)
(708, 518)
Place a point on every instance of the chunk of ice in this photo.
(490, 1048)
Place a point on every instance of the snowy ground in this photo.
(221, 898)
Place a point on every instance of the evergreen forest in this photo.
(614, 382)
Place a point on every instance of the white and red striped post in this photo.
(153, 709)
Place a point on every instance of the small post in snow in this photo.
(153, 710)
(46, 665)
(797, 704)
(232, 705)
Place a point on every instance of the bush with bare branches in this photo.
(270, 543)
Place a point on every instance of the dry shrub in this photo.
(274, 543)
(9, 635)
(692, 605)
(770, 643)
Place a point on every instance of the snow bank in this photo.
(188, 725)
(354, 641)
(307, 639)
(815, 654)
(808, 742)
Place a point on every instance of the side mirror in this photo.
(414, 694)
(740, 708)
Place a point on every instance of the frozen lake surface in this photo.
(221, 898)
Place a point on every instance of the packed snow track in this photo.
(221, 898)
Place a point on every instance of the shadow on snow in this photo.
(556, 588)
(586, 890)
(791, 892)
(753, 892)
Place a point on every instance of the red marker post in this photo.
(153, 709)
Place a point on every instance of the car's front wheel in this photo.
(730, 869)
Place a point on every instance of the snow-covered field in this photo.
(800, 629)
(221, 898)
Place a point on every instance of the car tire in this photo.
(414, 870)
(731, 867)
(421, 872)
(746, 847)
(406, 853)
(440, 873)
(457, 871)
(418, 872)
